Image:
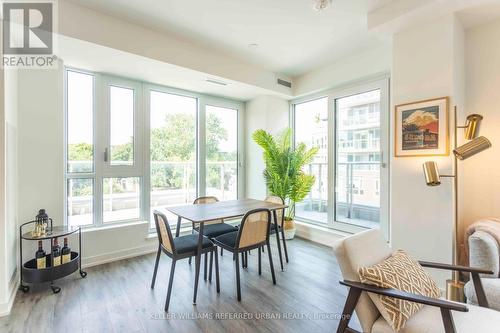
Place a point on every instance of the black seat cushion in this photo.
(217, 229)
(228, 239)
(273, 228)
(189, 243)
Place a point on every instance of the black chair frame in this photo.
(175, 256)
(237, 250)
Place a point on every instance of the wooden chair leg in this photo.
(170, 283)
(262, 248)
(238, 287)
(211, 265)
(156, 268)
(205, 267)
(449, 325)
(350, 305)
(260, 261)
(246, 259)
(217, 278)
(189, 261)
(221, 251)
(242, 260)
(271, 262)
(284, 244)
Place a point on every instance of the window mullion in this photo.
(101, 123)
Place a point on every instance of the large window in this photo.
(172, 150)
(222, 152)
(132, 147)
(80, 147)
(350, 127)
(311, 128)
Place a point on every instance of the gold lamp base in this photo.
(455, 291)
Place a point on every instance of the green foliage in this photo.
(174, 142)
(283, 174)
(80, 152)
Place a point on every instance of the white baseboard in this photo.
(119, 255)
(6, 307)
(318, 234)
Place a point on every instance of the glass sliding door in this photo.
(221, 147)
(358, 159)
(311, 128)
(350, 126)
(172, 150)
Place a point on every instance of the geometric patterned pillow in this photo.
(401, 272)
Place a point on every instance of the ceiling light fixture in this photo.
(319, 5)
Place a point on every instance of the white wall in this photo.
(268, 113)
(358, 66)
(479, 177)
(426, 62)
(8, 220)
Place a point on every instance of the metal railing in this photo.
(357, 187)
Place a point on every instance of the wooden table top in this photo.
(221, 209)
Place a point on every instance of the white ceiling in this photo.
(84, 55)
(292, 38)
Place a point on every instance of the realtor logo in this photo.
(27, 28)
(28, 34)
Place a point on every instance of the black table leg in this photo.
(198, 261)
(178, 228)
(278, 238)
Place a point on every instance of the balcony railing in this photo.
(357, 192)
(172, 183)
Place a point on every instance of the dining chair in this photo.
(253, 233)
(280, 214)
(211, 229)
(179, 248)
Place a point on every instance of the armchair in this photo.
(436, 316)
(484, 252)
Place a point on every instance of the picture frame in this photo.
(422, 128)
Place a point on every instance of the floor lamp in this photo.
(475, 144)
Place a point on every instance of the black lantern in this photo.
(42, 221)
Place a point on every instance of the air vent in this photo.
(215, 81)
(285, 83)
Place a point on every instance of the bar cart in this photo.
(30, 273)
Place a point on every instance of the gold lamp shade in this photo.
(471, 148)
(431, 173)
(472, 126)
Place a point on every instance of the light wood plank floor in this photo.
(116, 297)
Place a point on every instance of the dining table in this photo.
(201, 213)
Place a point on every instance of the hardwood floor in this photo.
(116, 297)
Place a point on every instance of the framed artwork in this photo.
(421, 128)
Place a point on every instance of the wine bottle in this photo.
(56, 253)
(66, 252)
(41, 260)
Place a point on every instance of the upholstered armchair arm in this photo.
(478, 286)
(357, 287)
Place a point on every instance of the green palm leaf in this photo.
(283, 174)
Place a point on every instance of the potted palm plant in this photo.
(283, 173)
